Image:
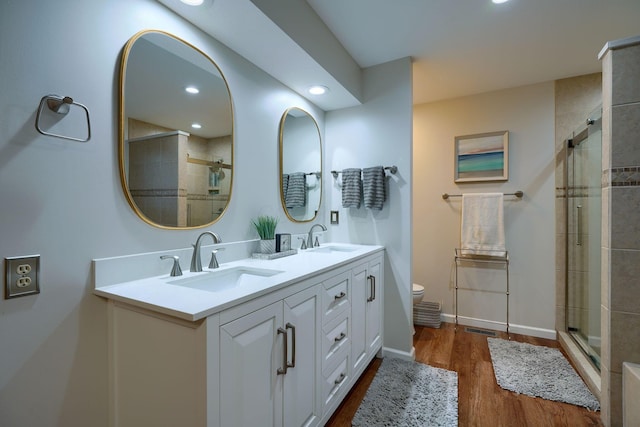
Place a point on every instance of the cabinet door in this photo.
(375, 282)
(302, 320)
(359, 292)
(251, 352)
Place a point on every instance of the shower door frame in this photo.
(571, 144)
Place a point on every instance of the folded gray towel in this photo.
(351, 188)
(374, 187)
(296, 196)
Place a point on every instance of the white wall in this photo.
(379, 133)
(528, 114)
(63, 199)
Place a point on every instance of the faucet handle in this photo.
(316, 243)
(214, 261)
(175, 270)
(304, 243)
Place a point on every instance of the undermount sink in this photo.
(224, 279)
(332, 248)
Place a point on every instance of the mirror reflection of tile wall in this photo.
(167, 188)
(156, 177)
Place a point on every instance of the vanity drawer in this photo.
(336, 297)
(334, 384)
(335, 339)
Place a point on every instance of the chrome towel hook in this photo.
(61, 105)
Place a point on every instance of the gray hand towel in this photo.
(285, 185)
(296, 191)
(351, 188)
(374, 187)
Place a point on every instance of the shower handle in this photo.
(579, 225)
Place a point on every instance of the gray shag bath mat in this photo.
(538, 371)
(409, 394)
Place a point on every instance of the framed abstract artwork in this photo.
(482, 157)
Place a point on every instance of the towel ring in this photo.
(61, 105)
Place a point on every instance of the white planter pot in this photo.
(267, 246)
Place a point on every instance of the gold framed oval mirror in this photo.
(176, 132)
(300, 151)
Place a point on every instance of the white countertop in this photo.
(157, 294)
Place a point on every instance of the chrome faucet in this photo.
(196, 262)
(310, 236)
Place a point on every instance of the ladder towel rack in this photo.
(483, 258)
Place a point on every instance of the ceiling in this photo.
(458, 47)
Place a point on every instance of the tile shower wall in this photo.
(621, 219)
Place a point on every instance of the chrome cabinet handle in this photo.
(579, 221)
(293, 344)
(340, 379)
(283, 371)
(340, 337)
(372, 288)
(340, 295)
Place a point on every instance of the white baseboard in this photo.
(500, 326)
(397, 354)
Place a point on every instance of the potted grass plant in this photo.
(265, 225)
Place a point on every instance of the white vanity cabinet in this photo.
(366, 312)
(284, 357)
(162, 370)
(269, 363)
(336, 341)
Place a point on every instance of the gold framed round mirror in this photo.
(300, 149)
(176, 132)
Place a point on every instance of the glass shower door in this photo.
(584, 217)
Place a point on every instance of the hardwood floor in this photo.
(481, 402)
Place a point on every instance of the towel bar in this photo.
(391, 169)
(518, 194)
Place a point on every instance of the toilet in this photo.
(418, 293)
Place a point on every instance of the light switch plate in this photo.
(22, 276)
(334, 217)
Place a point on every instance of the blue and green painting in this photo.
(481, 158)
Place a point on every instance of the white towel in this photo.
(482, 225)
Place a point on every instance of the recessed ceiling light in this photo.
(318, 90)
(499, 1)
(193, 2)
(192, 89)
(196, 125)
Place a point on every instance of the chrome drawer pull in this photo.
(340, 295)
(341, 337)
(283, 371)
(340, 379)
